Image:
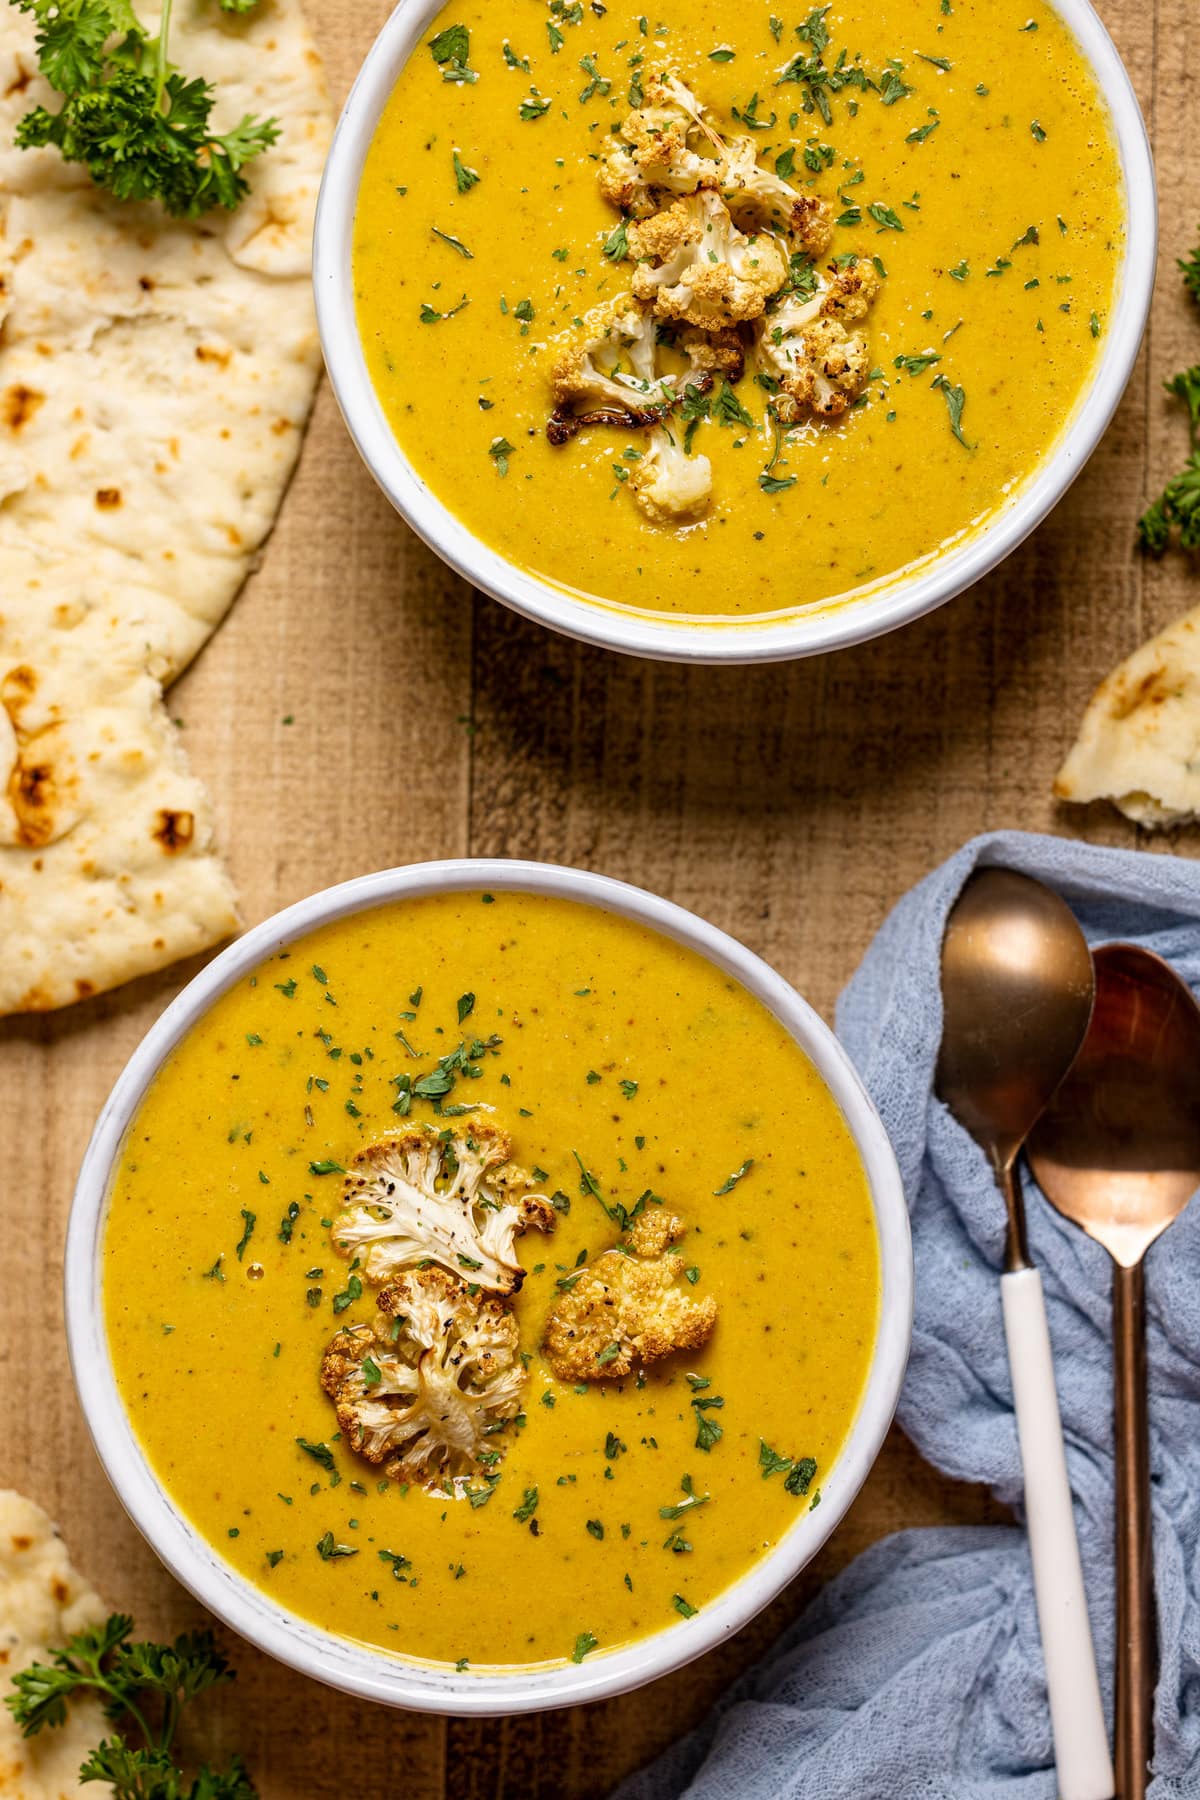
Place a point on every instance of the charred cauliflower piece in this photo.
(451, 1198)
(426, 1390)
(607, 375)
(851, 290)
(627, 1309)
(669, 486)
(658, 154)
(696, 267)
(712, 353)
(820, 366)
(761, 201)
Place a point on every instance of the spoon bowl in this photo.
(1118, 1149)
(1118, 1152)
(1017, 996)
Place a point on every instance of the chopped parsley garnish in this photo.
(464, 178)
(690, 1500)
(533, 106)
(454, 243)
(884, 217)
(431, 316)
(770, 483)
(728, 409)
(349, 1294)
(800, 1479)
(728, 1185)
(499, 450)
(682, 1607)
(329, 1551)
(797, 1471)
(708, 1432)
(917, 365)
(585, 1643)
(528, 1506)
(616, 244)
(320, 1453)
(450, 50)
(325, 1168)
(770, 1460)
(956, 399)
(597, 84)
(251, 1219)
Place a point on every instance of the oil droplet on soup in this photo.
(622, 1066)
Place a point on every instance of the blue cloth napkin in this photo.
(918, 1671)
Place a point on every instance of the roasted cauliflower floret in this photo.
(669, 486)
(712, 353)
(607, 374)
(426, 1390)
(759, 200)
(820, 366)
(658, 154)
(451, 1198)
(696, 267)
(851, 290)
(628, 1309)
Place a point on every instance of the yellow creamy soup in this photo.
(636, 1082)
(968, 159)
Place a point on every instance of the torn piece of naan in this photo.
(1139, 744)
(107, 859)
(43, 1602)
(156, 375)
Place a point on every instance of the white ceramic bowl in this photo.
(641, 634)
(352, 1666)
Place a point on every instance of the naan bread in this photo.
(107, 864)
(1139, 744)
(155, 380)
(42, 1603)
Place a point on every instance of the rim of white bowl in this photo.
(777, 639)
(377, 1674)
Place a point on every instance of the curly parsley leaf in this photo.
(137, 124)
(136, 1682)
(1178, 506)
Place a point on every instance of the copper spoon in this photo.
(1017, 997)
(1118, 1152)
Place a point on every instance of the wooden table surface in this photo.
(362, 707)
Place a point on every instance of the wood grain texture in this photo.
(792, 805)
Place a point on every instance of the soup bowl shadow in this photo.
(776, 637)
(397, 1680)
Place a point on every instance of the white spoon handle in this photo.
(1085, 1769)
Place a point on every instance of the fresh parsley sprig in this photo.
(144, 1688)
(140, 127)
